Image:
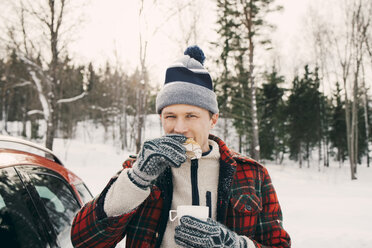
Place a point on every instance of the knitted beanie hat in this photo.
(188, 82)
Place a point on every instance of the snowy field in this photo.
(321, 208)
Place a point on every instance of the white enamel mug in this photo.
(200, 212)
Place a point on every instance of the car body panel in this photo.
(11, 157)
(26, 165)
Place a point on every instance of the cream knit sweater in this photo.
(208, 171)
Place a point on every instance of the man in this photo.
(244, 210)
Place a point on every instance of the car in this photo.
(39, 196)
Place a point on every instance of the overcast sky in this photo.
(111, 32)
(112, 27)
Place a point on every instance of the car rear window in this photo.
(59, 202)
(85, 194)
(18, 219)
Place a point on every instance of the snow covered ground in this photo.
(321, 208)
(325, 209)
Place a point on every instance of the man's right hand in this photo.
(155, 156)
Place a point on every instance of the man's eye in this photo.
(169, 116)
(191, 116)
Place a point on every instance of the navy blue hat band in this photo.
(183, 74)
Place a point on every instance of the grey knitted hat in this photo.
(188, 82)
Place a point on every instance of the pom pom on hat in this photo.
(188, 82)
(196, 53)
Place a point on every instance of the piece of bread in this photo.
(193, 149)
(191, 141)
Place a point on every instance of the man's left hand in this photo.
(193, 232)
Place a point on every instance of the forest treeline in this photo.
(295, 117)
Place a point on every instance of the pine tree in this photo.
(270, 108)
(224, 81)
(304, 116)
(245, 36)
(73, 83)
(18, 97)
(338, 126)
(240, 101)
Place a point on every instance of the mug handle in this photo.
(170, 215)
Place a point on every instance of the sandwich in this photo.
(193, 149)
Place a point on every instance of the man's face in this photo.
(189, 120)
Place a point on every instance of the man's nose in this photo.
(180, 126)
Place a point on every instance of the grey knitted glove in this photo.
(193, 232)
(156, 155)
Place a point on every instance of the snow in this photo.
(325, 209)
(321, 207)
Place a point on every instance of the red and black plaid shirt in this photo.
(247, 204)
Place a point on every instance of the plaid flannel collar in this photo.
(227, 172)
(226, 154)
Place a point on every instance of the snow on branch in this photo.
(28, 61)
(42, 98)
(34, 112)
(72, 99)
(112, 110)
(21, 84)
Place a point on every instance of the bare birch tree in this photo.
(366, 110)
(189, 15)
(252, 18)
(40, 35)
(351, 57)
(147, 30)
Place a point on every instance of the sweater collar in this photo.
(213, 153)
(207, 152)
